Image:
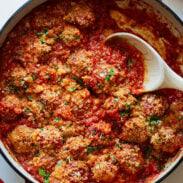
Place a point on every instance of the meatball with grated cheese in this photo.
(48, 137)
(135, 130)
(80, 14)
(74, 171)
(21, 139)
(129, 157)
(153, 104)
(104, 169)
(10, 107)
(166, 140)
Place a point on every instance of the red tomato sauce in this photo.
(64, 91)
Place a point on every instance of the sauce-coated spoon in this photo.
(158, 74)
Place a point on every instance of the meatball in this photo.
(81, 103)
(104, 170)
(77, 146)
(49, 137)
(63, 111)
(68, 128)
(129, 158)
(53, 16)
(80, 62)
(166, 139)
(10, 107)
(121, 100)
(153, 104)
(74, 171)
(21, 139)
(100, 133)
(43, 161)
(135, 130)
(80, 14)
(71, 36)
(33, 109)
(174, 118)
(50, 96)
(102, 126)
(18, 76)
(104, 78)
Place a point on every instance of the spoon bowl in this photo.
(158, 74)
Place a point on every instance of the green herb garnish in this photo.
(57, 119)
(108, 77)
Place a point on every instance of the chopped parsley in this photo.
(75, 77)
(128, 106)
(37, 155)
(93, 132)
(44, 174)
(68, 159)
(72, 89)
(123, 113)
(104, 138)
(57, 119)
(147, 152)
(108, 77)
(114, 160)
(46, 31)
(33, 77)
(19, 53)
(60, 35)
(155, 122)
(181, 118)
(59, 164)
(55, 38)
(91, 149)
(8, 89)
(40, 33)
(25, 87)
(118, 145)
(66, 102)
(128, 63)
(29, 98)
(42, 41)
(55, 67)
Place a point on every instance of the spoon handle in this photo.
(171, 79)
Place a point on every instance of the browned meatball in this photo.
(18, 76)
(77, 146)
(75, 171)
(71, 36)
(21, 139)
(122, 100)
(49, 137)
(53, 16)
(10, 107)
(80, 62)
(104, 78)
(153, 104)
(43, 160)
(80, 14)
(166, 139)
(174, 118)
(135, 130)
(129, 157)
(68, 128)
(104, 169)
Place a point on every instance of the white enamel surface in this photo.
(8, 7)
(158, 74)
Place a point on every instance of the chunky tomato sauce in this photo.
(70, 106)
